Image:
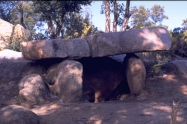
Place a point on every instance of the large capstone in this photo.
(99, 45)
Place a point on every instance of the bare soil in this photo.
(153, 106)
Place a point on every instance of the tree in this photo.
(184, 24)
(6, 9)
(141, 18)
(107, 15)
(127, 16)
(116, 15)
(21, 12)
(78, 25)
(53, 12)
(157, 14)
(125, 12)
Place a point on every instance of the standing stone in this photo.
(32, 90)
(66, 80)
(135, 73)
(14, 114)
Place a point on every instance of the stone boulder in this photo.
(65, 80)
(10, 33)
(20, 33)
(32, 90)
(6, 29)
(135, 73)
(99, 45)
(5, 33)
(178, 67)
(14, 114)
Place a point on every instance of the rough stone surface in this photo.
(32, 90)
(66, 80)
(14, 114)
(5, 30)
(138, 40)
(178, 67)
(101, 77)
(135, 73)
(99, 45)
(19, 34)
(55, 48)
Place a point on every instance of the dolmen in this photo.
(86, 71)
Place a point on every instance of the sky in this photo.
(175, 10)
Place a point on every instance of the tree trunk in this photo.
(107, 14)
(127, 16)
(51, 29)
(20, 9)
(59, 27)
(115, 16)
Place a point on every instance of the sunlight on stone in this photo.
(184, 89)
(151, 37)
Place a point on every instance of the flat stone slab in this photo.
(99, 45)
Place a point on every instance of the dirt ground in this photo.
(154, 106)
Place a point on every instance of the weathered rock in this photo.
(14, 114)
(55, 48)
(178, 67)
(10, 33)
(5, 30)
(32, 90)
(66, 80)
(99, 45)
(101, 76)
(135, 73)
(20, 34)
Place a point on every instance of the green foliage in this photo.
(184, 24)
(148, 17)
(141, 18)
(21, 12)
(77, 26)
(14, 46)
(179, 44)
(55, 12)
(157, 14)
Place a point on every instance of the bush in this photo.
(179, 44)
(14, 46)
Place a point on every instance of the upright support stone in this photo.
(67, 77)
(135, 73)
